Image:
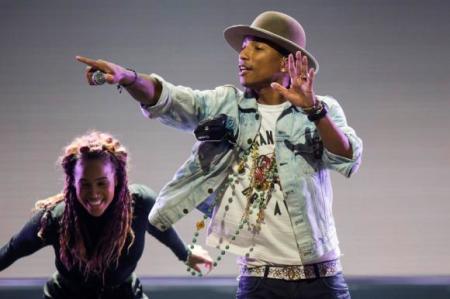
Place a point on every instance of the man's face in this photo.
(259, 64)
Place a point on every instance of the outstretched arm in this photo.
(22, 244)
(144, 201)
(193, 258)
(142, 88)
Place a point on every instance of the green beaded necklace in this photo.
(258, 194)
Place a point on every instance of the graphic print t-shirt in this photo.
(275, 242)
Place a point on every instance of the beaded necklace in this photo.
(263, 177)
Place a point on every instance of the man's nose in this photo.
(243, 55)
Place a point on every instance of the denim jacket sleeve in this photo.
(183, 107)
(338, 163)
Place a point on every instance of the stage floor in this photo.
(224, 288)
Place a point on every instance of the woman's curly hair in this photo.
(118, 231)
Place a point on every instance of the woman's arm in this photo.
(145, 199)
(192, 257)
(22, 244)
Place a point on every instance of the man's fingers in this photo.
(298, 63)
(311, 75)
(87, 61)
(88, 71)
(304, 62)
(110, 79)
(291, 67)
(279, 88)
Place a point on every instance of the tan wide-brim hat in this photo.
(276, 27)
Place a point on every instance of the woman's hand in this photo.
(300, 93)
(199, 256)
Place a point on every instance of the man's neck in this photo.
(268, 96)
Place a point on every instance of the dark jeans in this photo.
(333, 287)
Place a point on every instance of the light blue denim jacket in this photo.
(303, 163)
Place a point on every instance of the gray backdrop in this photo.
(385, 61)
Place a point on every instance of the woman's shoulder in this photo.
(45, 222)
(142, 195)
(51, 216)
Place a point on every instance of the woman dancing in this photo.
(96, 226)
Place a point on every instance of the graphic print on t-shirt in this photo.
(256, 196)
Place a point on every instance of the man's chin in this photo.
(243, 83)
(247, 84)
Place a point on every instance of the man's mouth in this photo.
(243, 69)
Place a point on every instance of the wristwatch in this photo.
(318, 112)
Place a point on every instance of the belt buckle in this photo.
(293, 273)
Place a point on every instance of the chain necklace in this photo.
(263, 177)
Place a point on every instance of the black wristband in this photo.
(319, 113)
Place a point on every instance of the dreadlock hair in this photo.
(73, 253)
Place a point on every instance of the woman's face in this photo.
(95, 182)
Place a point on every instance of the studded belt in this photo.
(324, 269)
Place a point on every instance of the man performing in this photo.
(261, 168)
